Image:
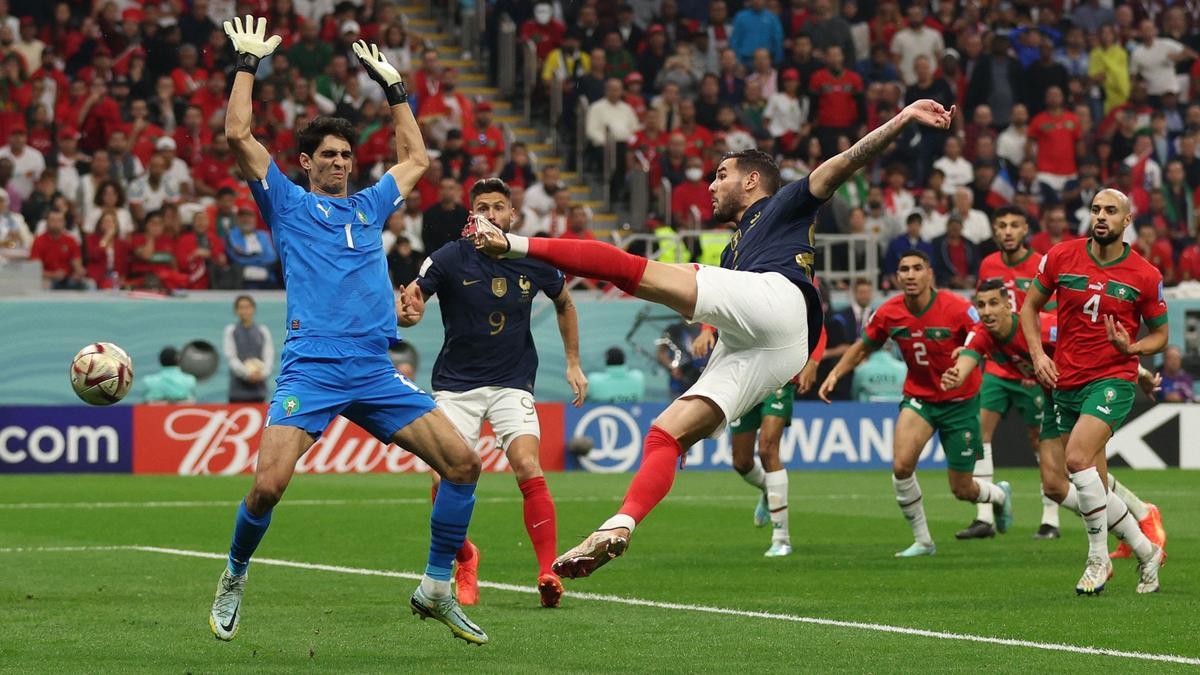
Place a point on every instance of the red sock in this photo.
(653, 479)
(593, 259)
(540, 521)
(464, 552)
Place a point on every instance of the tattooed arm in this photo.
(830, 175)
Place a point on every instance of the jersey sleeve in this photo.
(551, 281)
(796, 201)
(875, 333)
(1151, 303)
(1046, 278)
(436, 270)
(274, 194)
(383, 198)
(979, 344)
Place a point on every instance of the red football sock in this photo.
(464, 553)
(653, 479)
(540, 521)
(592, 259)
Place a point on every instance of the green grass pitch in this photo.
(126, 610)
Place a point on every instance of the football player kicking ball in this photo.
(928, 326)
(341, 320)
(488, 363)
(997, 337)
(1004, 388)
(761, 299)
(1103, 293)
(764, 424)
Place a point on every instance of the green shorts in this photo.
(1000, 395)
(777, 404)
(957, 424)
(1109, 399)
(1049, 420)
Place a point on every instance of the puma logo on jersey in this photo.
(1098, 286)
(323, 209)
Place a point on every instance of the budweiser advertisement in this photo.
(200, 440)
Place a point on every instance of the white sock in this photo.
(1071, 501)
(777, 501)
(989, 494)
(518, 246)
(435, 588)
(984, 469)
(1092, 505)
(908, 496)
(756, 476)
(1050, 510)
(619, 520)
(1125, 528)
(1136, 506)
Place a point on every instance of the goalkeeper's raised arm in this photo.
(249, 38)
(411, 158)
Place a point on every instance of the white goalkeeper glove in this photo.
(382, 72)
(251, 42)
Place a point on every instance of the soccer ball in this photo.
(101, 373)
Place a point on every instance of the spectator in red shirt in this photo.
(141, 131)
(154, 264)
(192, 137)
(107, 254)
(427, 81)
(189, 77)
(1054, 232)
(839, 96)
(1055, 131)
(62, 268)
(650, 142)
(1156, 250)
(578, 225)
(198, 248)
(633, 94)
(543, 29)
(672, 164)
(216, 169)
(1189, 263)
(691, 203)
(211, 99)
(485, 139)
(98, 116)
(696, 138)
(445, 111)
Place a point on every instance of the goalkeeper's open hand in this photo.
(251, 42)
(381, 71)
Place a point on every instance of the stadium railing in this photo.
(664, 201)
(639, 194)
(581, 106)
(506, 58)
(529, 68)
(556, 95)
(609, 165)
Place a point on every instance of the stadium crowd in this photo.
(116, 171)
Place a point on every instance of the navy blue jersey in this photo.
(339, 295)
(486, 306)
(776, 235)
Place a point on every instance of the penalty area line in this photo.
(638, 602)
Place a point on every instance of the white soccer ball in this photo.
(101, 373)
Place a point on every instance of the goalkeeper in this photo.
(341, 319)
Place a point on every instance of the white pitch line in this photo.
(637, 602)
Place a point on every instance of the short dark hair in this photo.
(488, 185)
(1009, 210)
(614, 357)
(864, 282)
(915, 253)
(757, 160)
(913, 217)
(309, 138)
(238, 300)
(169, 356)
(996, 284)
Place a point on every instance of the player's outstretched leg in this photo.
(1148, 517)
(280, 447)
(908, 497)
(466, 565)
(776, 477)
(681, 425)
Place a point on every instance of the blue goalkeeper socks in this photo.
(247, 533)
(448, 526)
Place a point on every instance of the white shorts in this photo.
(511, 412)
(762, 319)
(1057, 182)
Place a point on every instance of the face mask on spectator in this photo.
(789, 174)
(542, 14)
(693, 174)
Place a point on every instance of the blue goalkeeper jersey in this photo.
(339, 295)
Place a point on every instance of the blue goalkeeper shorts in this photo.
(364, 388)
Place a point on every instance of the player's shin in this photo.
(777, 502)
(1137, 507)
(248, 531)
(652, 481)
(592, 259)
(1049, 511)
(756, 476)
(448, 523)
(984, 469)
(1093, 502)
(1125, 527)
(908, 496)
(540, 521)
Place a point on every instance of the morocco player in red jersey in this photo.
(1004, 388)
(928, 326)
(1103, 294)
(997, 338)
